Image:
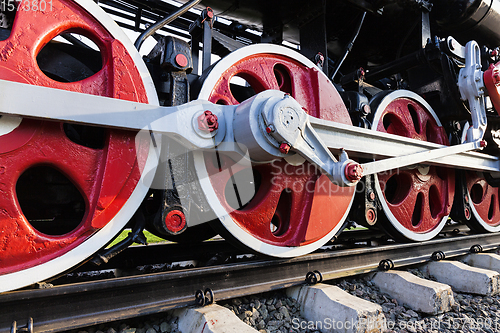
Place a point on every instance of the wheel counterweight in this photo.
(417, 200)
(63, 196)
(284, 208)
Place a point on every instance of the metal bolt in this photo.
(371, 216)
(209, 13)
(175, 221)
(483, 143)
(270, 129)
(371, 195)
(208, 121)
(467, 213)
(285, 147)
(353, 171)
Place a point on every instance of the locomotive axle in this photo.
(309, 137)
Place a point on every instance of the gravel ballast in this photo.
(274, 312)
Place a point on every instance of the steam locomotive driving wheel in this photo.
(67, 190)
(284, 208)
(416, 200)
(484, 202)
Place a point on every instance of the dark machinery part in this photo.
(135, 236)
(385, 265)
(358, 105)
(366, 204)
(176, 197)
(204, 298)
(314, 277)
(349, 46)
(469, 20)
(28, 328)
(201, 31)
(476, 248)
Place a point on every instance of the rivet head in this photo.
(353, 172)
(181, 60)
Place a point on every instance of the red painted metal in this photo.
(370, 216)
(353, 172)
(210, 13)
(285, 148)
(208, 122)
(293, 205)
(417, 200)
(484, 197)
(105, 177)
(491, 80)
(175, 221)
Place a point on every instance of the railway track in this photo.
(74, 305)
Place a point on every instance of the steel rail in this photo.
(88, 303)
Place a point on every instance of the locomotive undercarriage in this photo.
(398, 135)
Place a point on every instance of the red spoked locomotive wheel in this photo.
(484, 201)
(284, 208)
(416, 200)
(67, 190)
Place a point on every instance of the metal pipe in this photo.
(350, 45)
(160, 24)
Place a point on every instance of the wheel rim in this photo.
(293, 209)
(109, 179)
(416, 201)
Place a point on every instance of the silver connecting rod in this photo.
(311, 138)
